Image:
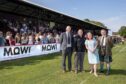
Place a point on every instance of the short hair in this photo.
(104, 30)
(80, 29)
(90, 33)
(68, 26)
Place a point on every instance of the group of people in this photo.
(28, 39)
(99, 50)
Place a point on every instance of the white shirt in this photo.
(30, 40)
(104, 41)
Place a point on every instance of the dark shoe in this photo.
(81, 70)
(101, 71)
(108, 73)
(70, 70)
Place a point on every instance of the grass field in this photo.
(47, 70)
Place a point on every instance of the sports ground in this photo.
(47, 70)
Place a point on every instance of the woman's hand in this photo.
(93, 50)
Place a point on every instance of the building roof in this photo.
(28, 8)
(41, 6)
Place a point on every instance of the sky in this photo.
(110, 12)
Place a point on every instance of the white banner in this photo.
(14, 52)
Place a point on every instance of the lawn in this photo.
(47, 70)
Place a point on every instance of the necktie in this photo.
(102, 41)
(68, 38)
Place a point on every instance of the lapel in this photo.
(107, 40)
(65, 36)
(71, 36)
(100, 39)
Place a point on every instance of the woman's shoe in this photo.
(96, 75)
(91, 72)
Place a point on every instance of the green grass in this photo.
(47, 70)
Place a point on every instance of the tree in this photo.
(95, 22)
(87, 20)
(122, 31)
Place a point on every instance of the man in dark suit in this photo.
(66, 41)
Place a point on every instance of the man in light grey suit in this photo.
(66, 41)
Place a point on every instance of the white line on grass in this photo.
(122, 49)
(82, 82)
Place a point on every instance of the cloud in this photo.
(74, 8)
(114, 23)
(111, 19)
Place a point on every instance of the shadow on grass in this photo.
(27, 61)
(118, 72)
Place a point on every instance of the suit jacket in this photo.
(63, 40)
(79, 44)
(108, 47)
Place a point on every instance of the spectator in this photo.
(57, 38)
(45, 39)
(17, 39)
(25, 28)
(37, 39)
(11, 40)
(123, 41)
(30, 39)
(2, 40)
(51, 38)
(18, 27)
(24, 39)
(22, 30)
(40, 35)
(7, 38)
